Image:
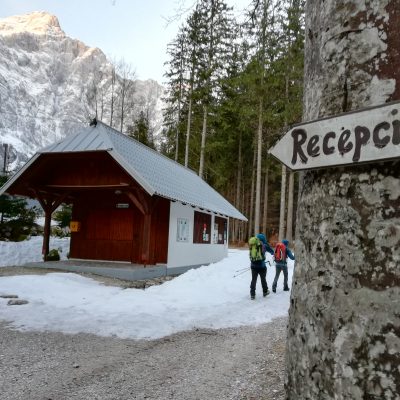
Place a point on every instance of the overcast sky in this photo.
(135, 30)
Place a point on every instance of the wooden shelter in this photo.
(130, 203)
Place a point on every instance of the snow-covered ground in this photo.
(19, 253)
(213, 296)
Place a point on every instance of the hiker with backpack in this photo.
(258, 245)
(281, 254)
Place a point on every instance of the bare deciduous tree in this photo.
(126, 81)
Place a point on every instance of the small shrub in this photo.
(59, 232)
(53, 255)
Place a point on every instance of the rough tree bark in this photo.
(344, 319)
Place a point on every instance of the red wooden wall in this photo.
(109, 233)
(90, 181)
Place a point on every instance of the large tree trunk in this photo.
(177, 127)
(242, 224)
(259, 159)
(344, 319)
(189, 124)
(265, 210)
(203, 142)
(251, 231)
(238, 188)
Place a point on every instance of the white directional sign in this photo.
(368, 135)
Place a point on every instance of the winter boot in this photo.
(252, 296)
(286, 289)
(266, 293)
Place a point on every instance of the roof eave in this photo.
(238, 215)
(15, 177)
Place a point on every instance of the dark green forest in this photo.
(234, 86)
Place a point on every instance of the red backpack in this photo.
(280, 252)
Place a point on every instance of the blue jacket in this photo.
(265, 247)
(288, 254)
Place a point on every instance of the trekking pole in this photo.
(242, 272)
(242, 269)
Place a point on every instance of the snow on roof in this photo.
(156, 173)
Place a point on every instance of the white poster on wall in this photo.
(215, 234)
(182, 233)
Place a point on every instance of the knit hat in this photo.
(262, 238)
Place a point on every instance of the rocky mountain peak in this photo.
(37, 22)
(51, 84)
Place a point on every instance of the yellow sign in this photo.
(75, 226)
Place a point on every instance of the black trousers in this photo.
(254, 274)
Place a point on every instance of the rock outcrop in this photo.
(50, 84)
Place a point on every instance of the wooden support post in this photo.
(49, 203)
(46, 233)
(146, 239)
(146, 205)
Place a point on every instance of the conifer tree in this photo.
(193, 62)
(17, 220)
(141, 130)
(293, 36)
(182, 75)
(245, 100)
(227, 148)
(215, 41)
(262, 27)
(175, 85)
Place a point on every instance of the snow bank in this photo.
(212, 296)
(19, 253)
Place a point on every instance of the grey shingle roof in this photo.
(156, 173)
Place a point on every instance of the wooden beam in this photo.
(136, 202)
(71, 187)
(145, 200)
(50, 202)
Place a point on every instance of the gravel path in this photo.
(244, 363)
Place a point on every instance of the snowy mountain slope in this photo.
(50, 84)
